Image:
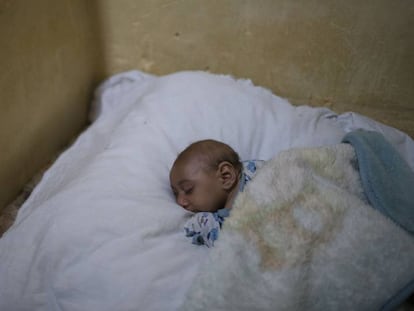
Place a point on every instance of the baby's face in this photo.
(196, 188)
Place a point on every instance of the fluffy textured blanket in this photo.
(303, 237)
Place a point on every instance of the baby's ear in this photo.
(228, 175)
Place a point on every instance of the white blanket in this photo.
(102, 231)
(302, 237)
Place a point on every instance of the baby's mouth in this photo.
(190, 209)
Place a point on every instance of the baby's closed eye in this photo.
(188, 190)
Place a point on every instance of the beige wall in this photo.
(347, 55)
(49, 64)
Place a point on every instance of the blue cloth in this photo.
(203, 228)
(402, 295)
(388, 183)
(387, 179)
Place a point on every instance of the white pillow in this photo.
(189, 106)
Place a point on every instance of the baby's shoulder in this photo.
(250, 168)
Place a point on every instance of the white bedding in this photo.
(102, 231)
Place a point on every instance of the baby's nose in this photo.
(182, 201)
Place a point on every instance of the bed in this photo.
(101, 231)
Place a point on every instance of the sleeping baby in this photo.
(205, 179)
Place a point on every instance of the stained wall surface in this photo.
(49, 64)
(347, 55)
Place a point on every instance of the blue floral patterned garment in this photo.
(203, 228)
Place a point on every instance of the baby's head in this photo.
(205, 175)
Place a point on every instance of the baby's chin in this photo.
(208, 210)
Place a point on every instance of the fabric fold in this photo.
(387, 179)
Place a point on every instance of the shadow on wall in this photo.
(52, 60)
